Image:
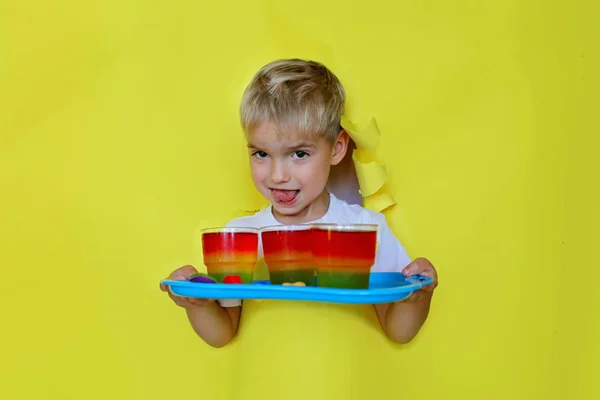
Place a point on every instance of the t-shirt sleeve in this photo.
(391, 255)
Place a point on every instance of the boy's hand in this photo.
(182, 274)
(421, 266)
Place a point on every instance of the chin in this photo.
(289, 211)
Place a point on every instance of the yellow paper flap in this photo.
(370, 171)
(379, 201)
(371, 176)
(365, 137)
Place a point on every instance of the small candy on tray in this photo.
(233, 279)
(201, 278)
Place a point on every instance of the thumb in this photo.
(184, 273)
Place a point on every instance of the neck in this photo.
(314, 211)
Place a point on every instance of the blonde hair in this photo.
(297, 96)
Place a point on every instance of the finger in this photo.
(413, 268)
(407, 299)
(200, 302)
(195, 301)
(414, 297)
(175, 298)
(418, 267)
(433, 284)
(184, 272)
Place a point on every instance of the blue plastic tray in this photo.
(384, 287)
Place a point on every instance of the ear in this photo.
(339, 148)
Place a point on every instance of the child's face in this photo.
(291, 172)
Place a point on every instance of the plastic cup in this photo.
(344, 254)
(230, 251)
(288, 253)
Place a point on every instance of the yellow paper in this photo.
(119, 135)
(365, 137)
(370, 171)
(371, 177)
(363, 155)
(379, 201)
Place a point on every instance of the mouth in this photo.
(284, 197)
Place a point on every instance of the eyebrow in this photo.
(301, 145)
(295, 146)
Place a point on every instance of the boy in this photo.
(290, 114)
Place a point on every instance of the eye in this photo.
(300, 154)
(259, 154)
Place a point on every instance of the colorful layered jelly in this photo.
(344, 254)
(288, 253)
(230, 251)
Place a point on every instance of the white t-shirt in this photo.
(390, 257)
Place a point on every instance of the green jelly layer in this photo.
(343, 280)
(307, 276)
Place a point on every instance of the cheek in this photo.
(257, 171)
(316, 173)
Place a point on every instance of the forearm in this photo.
(402, 321)
(216, 325)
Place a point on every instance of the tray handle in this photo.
(422, 280)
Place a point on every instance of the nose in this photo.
(278, 172)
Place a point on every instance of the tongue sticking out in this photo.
(283, 196)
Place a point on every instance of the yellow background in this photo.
(119, 139)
